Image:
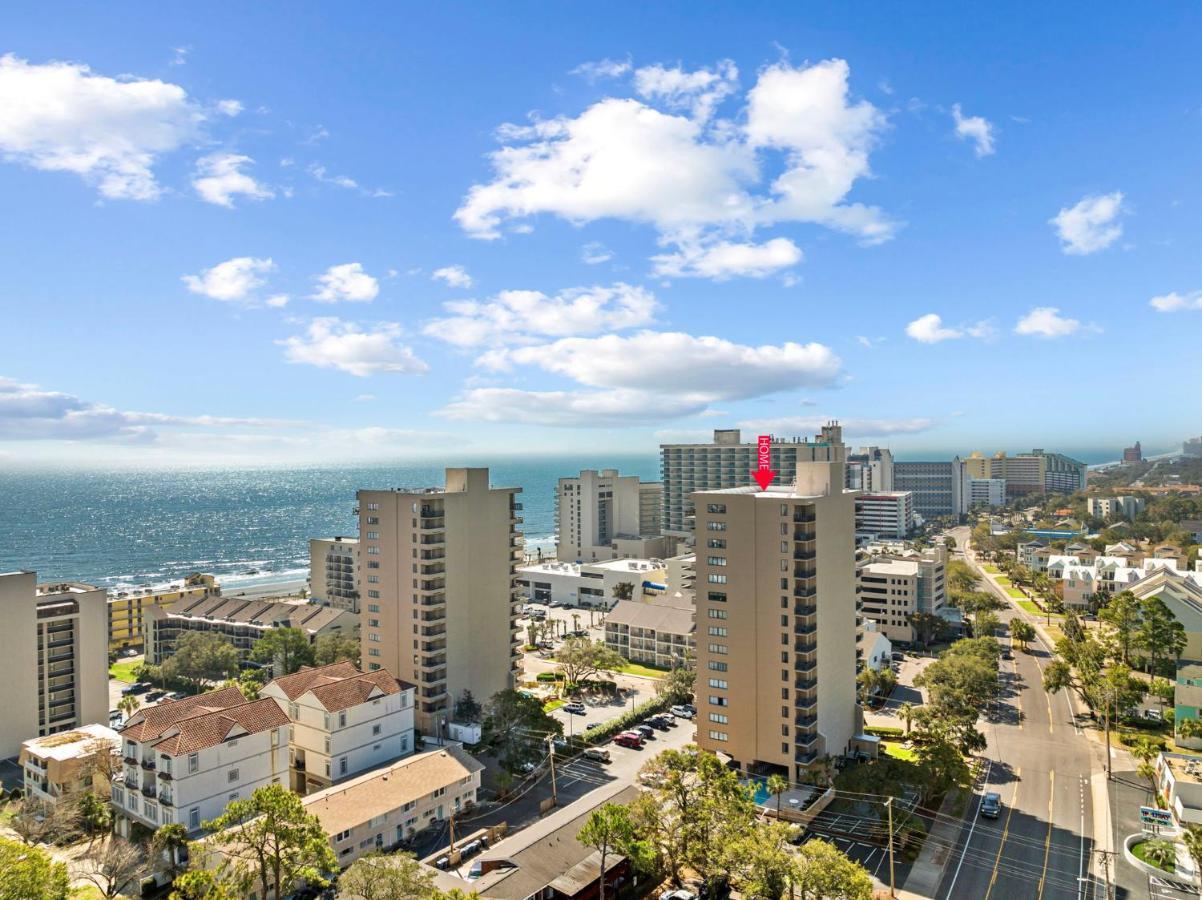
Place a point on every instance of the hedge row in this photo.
(884, 731)
(627, 720)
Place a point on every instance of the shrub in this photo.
(548, 676)
(884, 731)
(627, 720)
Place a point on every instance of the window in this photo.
(715, 526)
(293, 711)
(373, 651)
(232, 776)
(717, 666)
(373, 637)
(233, 797)
(716, 700)
(717, 596)
(373, 551)
(342, 719)
(118, 796)
(718, 648)
(193, 763)
(194, 818)
(373, 623)
(342, 765)
(719, 719)
(716, 560)
(716, 543)
(716, 579)
(718, 735)
(373, 535)
(717, 631)
(373, 564)
(718, 614)
(373, 607)
(375, 595)
(719, 683)
(376, 729)
(327, 743)
(373, 506)
(342, 836)
(718, 508)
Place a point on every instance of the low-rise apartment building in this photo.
(378, 810)
(334, 572)
(127, 609)
(892, 589)
(884, 514)
(54, 644)
(590, 585)
(657, 633)
(185, 760)
(70, 762)
(1125, 507)
(343, 722)
(243, 621)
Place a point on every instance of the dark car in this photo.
(591, 725)
(140, 688)
(658, 723)
(991, 805)
(645, 730)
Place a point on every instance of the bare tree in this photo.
(33, 821)
(114, 866)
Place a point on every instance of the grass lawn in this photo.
(645, 671)
(88, 892)
(991, 569)
(1003, 581)
(897, 751)
(552, 705)
(1015, 593)
(124, 670)
(1137, 850)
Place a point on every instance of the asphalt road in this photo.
(1040, 762)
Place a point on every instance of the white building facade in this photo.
(884, 514)
(591, 585)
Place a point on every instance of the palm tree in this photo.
(906, 712)
(1160, 852)
(777, 785)
(167, 842)
(128, 705)
(1192, 838)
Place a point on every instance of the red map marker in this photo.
(764, 473)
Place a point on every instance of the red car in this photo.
(629, 739)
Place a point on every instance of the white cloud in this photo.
(277, 301)
(233, 280)
(179, 56)
(1091, 225)
(802, 426)
(1175, 302)
(347, 282)
(699, 91)
(724, 259)
(602, 68)
(929, 329)
(230, 108)
(566, 409)
(1046, 322)
(977, 129)
(594, 253)
(697, 182)
(453, 276)
(61, 117)
(523, 316)
(331, 343)
(219, 179)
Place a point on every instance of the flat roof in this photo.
(73, 743)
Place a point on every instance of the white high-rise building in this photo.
(884, 514)
(604, 515)
(870, 469)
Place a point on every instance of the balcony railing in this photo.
(165, 799)
(805, 609)
(805, 721)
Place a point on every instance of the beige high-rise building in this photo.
(604, 515)
(54, 644)
(334, 571)
(439, 601)
(776, 618)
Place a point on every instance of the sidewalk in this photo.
(940, 847)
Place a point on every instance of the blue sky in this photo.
(269, 232)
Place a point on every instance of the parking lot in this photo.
(903, 692)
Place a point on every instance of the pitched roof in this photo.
(386, 789)
(667, 619)
(339, 685)
(211, 729)
(149, 723)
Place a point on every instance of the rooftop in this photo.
(338, 686)
(656, 616)
(900, 568)
(311, 617)
(71, 744)
(211, 729)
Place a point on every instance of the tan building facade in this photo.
(55, 649)
(776, 618)
(603, 515)
(70, 762)
(127, 608)
(439, 589)
(334, 571)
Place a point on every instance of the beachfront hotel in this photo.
(776, 617)
(54, 646)
(437, 571)
(604, 515)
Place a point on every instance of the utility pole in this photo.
(452, 831)
(551, 744)
(1106, 854)
(889, 807)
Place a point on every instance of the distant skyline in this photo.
(281, 234)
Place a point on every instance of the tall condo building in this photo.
(884, 514)
(439, 589)
(604, 515)
(727, 463)
(55, 649)
(870, 469)
(334, 571)
(939, 488)
(775, 573)
(1037, 472)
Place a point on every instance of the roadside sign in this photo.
(1150, 815)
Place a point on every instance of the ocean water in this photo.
(124, 528)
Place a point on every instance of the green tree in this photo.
(580, 658)
(1160, 635)
(200, 884)
(679, 684)
(906, 712)
(1122, 614)
(200, 657)
(128, 705)
(515, 728)
(1160, 852)
(609, 829)
(468, 708)
(762, 861)
(285, 649)
(985, 623)
(875, 683)
(94, 812)
(1192, 838)
(30, 873)
(777, 785)
(929, 627)
(1022, 631)
(825, 873)
(166, 845)
(623, 590)
(335, 647)
(268, 839)
(392, 876)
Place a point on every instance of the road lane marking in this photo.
(1047, 844)
(984, 783)
(1005, 833)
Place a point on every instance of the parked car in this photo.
(682, 712)
(631, 739)
(1153, 715)
(646, 731)
(155, 695)
(597, 754)
(991, 805)
(658, 723)
(898, 656)
(1006, 654)
(591, 725)
(576, 708)
(443, 862)
(678, 894)
(140, 687)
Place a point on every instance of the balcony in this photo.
(802, 665)
(805, 591)
(805, 721)
(804, 518)
(434, 677)
(800, 571)
(130, 759)
(164, 775)
(806, 740)
(147, 764)
(806, 647)
(805, 758)
(805, 702)
(165, 799)
(148, 791)
(804, 629)
(805, 555)
(805, 609)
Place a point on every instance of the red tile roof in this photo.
(213, 728)
(339, 685)
(149, 723)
